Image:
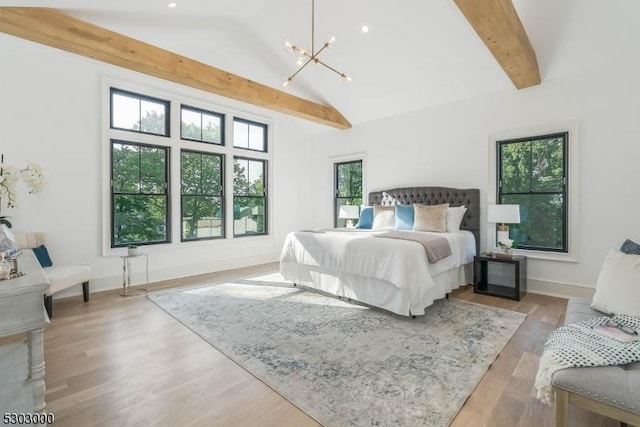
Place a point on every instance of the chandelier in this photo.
(308, 56)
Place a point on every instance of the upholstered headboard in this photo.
(434, 196)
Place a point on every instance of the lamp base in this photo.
(503, 232)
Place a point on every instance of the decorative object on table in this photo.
(388, 370)
(5, 268)
(503, 215)
(33, 177)
(506, 247)
(308, 56)
(349, 213)
(7, 239)
(132, 250)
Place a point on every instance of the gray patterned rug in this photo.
(345, 364)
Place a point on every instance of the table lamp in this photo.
(503, 215)
(349, 212)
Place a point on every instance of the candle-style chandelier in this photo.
(308, 56)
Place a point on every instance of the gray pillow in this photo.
(630, 247)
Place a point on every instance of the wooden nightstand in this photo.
(500, 276)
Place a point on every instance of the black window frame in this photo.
(167, 194)
(264, 196)
(336, 196)
(167, 104)
(221, 116)
(221, 195)
(564, 136)
(265, 129)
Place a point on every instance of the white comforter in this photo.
(400, 262)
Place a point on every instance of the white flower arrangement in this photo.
(506, 243)
(32, 175)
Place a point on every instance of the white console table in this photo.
(22, 387)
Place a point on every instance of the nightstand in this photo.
(500, 276)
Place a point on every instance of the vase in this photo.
(5, 269)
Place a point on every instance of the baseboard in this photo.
(138, 273)
(558, 289)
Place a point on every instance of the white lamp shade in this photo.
(504, 214)
(349, 212)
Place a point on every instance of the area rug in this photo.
(346, 364)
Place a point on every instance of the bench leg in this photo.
(48, 305)
(562, 407)
(85, 291)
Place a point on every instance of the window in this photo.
(139, 113)
(348, 192)
(249, 196)
(201, 125)
(249, 135)
(139, 194)
(533, 173)
(202, 200)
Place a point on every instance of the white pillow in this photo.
(383, 217)
(618, 286)
(454, 218)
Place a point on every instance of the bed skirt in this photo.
(372, 291)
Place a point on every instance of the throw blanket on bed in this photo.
(435, 247)
(577, 345)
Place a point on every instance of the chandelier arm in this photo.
(332, 69)
(299, 69)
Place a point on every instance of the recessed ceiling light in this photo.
(365, 29)
(172, 4)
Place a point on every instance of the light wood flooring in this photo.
(122, 361)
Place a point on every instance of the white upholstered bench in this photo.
(60, 277)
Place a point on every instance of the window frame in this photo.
(564, 137)
(141, 97)
(265, 130)
(167, 194)
(574, 238)
(265, 197)
(221, 116)
(336, 165)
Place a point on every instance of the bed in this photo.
(388, 273)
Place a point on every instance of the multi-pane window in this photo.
(249, 135)
(249, 196)
(139, 113)
(202, 200)
(533, 173)
(201, 125)
(348, 192)
(139, 194)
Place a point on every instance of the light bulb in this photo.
(331, 39)
(300, 60)
(286, 82)
(346, 79)
(172, 4)
(365, 29)
(288, 46)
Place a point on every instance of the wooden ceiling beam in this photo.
(498, 25)
(53, 28)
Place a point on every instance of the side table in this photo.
(126, 274)
(500, 276)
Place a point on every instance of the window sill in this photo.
(546, 256)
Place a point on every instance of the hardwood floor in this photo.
(122, 361)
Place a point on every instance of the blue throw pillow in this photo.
(366, 217)
(404, 217)
(43, 256)
(630, 247)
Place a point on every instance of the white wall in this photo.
(449, 146)
(51, 106)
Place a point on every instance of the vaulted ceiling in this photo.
(417, 53)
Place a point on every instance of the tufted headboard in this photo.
(434, 196)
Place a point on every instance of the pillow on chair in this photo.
(42, 254)
(618, 286)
